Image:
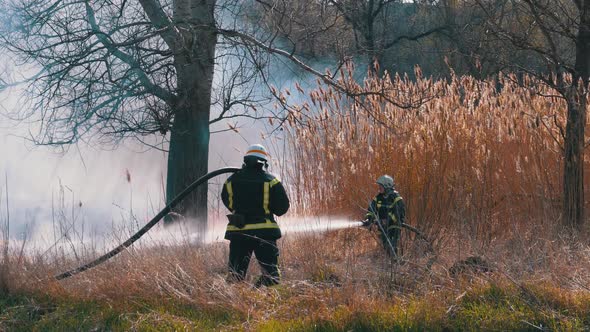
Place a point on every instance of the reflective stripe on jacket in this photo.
(390, 207)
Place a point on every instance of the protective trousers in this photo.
(392, 235)
(242, 246)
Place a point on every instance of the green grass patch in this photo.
(26, 313)
(489, 307)
(493, 306)
(508, 307)
(416, 315)
(29, 313)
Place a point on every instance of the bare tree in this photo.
(123, 68)
(309, 28)
(557, 33)
(374, 23)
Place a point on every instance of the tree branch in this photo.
(153, 9)
(128, 59)
(415, 37)
(325, 78)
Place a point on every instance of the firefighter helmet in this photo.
(258, 151)
(385, 181)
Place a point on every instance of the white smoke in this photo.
(85, 191)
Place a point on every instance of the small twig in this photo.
(540, 328)
(22, 247)
(7, 235)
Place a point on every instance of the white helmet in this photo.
(257, 150)
(386, 181)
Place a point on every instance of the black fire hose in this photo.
(149, 225)
(412, 229)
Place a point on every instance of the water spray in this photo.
(320, 225)
(166, 210)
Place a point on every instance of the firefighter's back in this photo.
(257, 196)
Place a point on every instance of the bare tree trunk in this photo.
(573, 175)
(369, 35)
(189, 142)
(187, 161)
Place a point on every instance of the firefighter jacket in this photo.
(390, 207)
(257, 196)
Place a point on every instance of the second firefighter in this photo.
(387, 209)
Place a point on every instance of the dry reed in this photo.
(476, 160)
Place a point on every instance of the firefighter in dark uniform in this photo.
(254, 196)
(389, 210)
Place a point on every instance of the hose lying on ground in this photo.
(413, 229)
(149, 225)
(420, 235)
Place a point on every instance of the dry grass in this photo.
(340, 277)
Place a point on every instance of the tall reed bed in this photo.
(479, 157)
